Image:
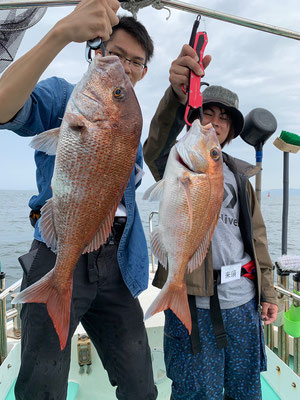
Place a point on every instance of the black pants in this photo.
(112, 318)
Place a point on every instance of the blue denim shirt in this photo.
(44, 110)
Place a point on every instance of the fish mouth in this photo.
(180, 160)
(189, 157)
(187, 163)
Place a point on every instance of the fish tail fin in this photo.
(176, 299)
(58, 303)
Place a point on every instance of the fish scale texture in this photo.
(190, 203)
(189, 211)
(93, 164)
(97, 146)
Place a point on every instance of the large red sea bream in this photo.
(191, 195)
(95, 149)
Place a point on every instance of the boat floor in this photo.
(278, 383)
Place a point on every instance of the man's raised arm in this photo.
(90, 19)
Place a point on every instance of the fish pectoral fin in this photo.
(47, 226)
(154, 192)
(199, 255)
(46, 141)
(58, 303)
(75, 121)
(158, 247)
(102, 233)
(185, 181)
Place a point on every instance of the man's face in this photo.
(219, 119)
(128, 48)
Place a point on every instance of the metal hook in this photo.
(94, 44)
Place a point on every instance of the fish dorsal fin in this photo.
(75, 121)
(46, 225)
(102, 233)
(46, 141)
(158, 247)
(154, 192)
(199, 255)
(185, 182)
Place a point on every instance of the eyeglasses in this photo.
(135, 65)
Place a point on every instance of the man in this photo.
(226, 348)
(106, 281)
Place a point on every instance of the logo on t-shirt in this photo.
(229, 196)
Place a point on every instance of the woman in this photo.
(226, 348)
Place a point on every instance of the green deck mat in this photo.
(72, 391)
(267, 391)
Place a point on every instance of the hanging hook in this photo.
(94, 44)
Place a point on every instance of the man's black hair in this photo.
(138, 31)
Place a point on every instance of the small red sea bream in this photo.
(95, 149)
(190, 195)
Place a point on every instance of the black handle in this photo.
(194, 31)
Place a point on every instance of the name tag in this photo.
(230, 272)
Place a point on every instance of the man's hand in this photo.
(90, 19)
(179, 71)
(269, 312)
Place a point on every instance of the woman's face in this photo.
(219, 119)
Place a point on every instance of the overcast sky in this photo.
(262, 68)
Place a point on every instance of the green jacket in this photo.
(165, 126)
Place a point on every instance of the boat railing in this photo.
(276, 337)
(7, 315)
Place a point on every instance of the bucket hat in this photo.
(220, 96)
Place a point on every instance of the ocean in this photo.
(16, 232)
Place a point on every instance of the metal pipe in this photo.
(297, 356)
(269, 329)
(258, 182)
(231, 18)
(283, 338)
(14, 313)
(3, 342)
(271, 337)
(285, 205)
(179, 5)
(10, 289)
(7, 4)
(286, 292)
(11, 313)
(296, 279)
(16, 318)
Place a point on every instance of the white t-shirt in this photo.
(228, 249)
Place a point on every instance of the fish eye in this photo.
(215, 154)
(118, 93)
